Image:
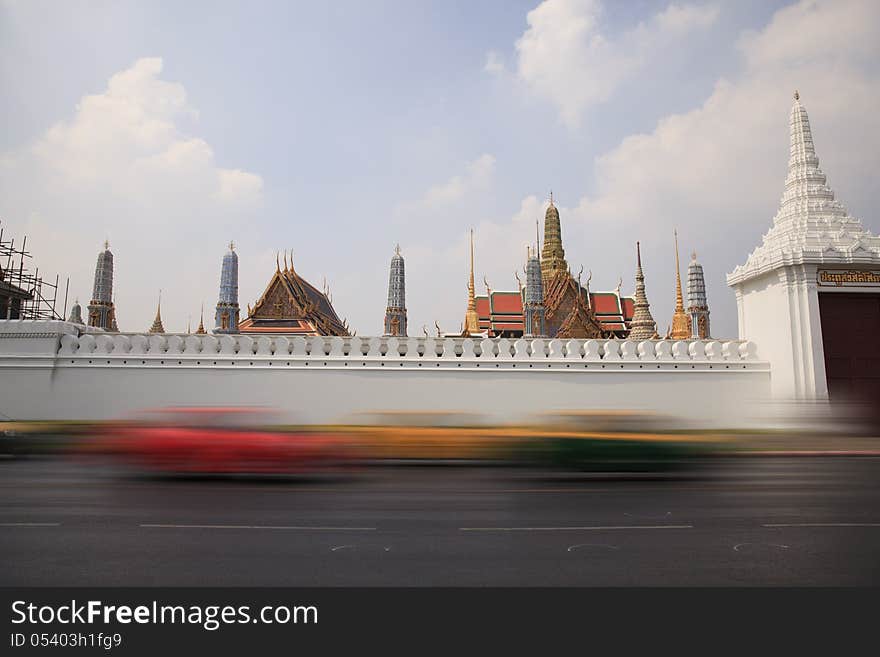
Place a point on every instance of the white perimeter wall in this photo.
(52, 371)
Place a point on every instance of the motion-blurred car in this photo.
(426, 436)
(221, 441)
(614, 441)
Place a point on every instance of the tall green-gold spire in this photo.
(552, 253)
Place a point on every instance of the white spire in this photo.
(811, 225)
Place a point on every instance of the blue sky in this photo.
(337, 130)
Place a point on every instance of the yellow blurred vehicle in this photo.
(425, 436)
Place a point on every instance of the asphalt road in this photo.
(748, 521)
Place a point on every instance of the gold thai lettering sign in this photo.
(848, 278)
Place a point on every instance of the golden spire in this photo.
(231, 246)
(471, 319)
(201, 330)
(157, 323)
(106, 244)
(680, 322)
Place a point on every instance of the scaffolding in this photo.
(23, 293)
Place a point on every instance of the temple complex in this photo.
(565, 307)
(102, 313)
(291, 305)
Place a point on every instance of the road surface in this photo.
(746, 521)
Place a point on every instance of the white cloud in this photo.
(477, 175)
(716, 172)
(123, 167)
(566, 56)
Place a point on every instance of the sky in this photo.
(337, 130)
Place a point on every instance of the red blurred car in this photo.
(221, 440)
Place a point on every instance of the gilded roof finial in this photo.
(551, 197)
(277, 264)
(638, 254)
(286, 266)
(292, 270)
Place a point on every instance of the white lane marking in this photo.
(341, 547)
(292, 527)
(739, 545)
(30, 524)
(562, 529)
(823, 524)
(580, 545)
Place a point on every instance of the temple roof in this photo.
(503, 310)
(811, 226)
(290, 298)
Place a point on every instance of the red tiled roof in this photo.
(507, 302)
(605, 303)
(482, 304)
(628, 307)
